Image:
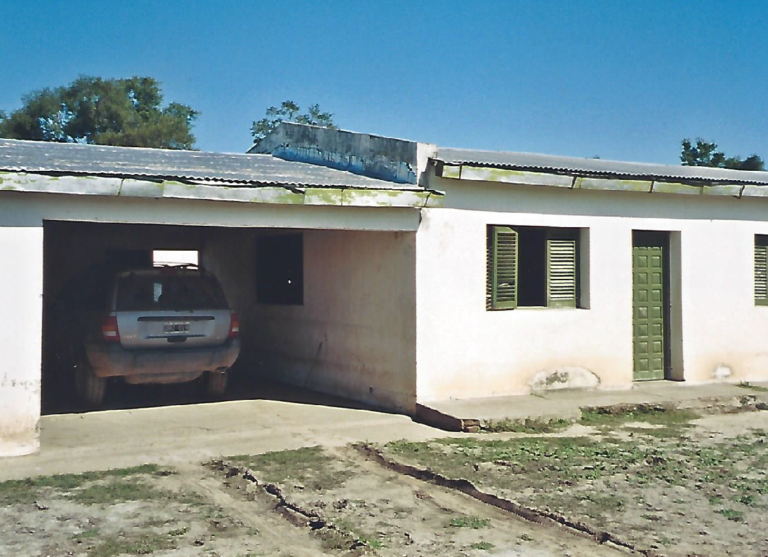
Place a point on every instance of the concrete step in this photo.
(470, 414)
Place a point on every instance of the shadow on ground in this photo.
(59, 395)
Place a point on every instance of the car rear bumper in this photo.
(163, 366)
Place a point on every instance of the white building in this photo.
(419, 273)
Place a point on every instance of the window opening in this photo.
(280, 269)
(175, 257)
(532, 267)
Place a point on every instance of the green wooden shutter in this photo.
(761, 275)
(503, 278)
(561, 273)
(489, 269)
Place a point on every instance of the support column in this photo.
(21, 333)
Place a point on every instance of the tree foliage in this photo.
(289, 111)
(124, 112)
(704, 153)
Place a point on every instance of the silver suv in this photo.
(160, 325)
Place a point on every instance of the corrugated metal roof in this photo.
(598, 167)
(232, 168)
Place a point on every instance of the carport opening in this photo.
(175, 257)
(75, 251)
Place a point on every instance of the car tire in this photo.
(216, 384)
(90, 388)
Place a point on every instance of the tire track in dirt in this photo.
(409, 534)
(252, 512)
(536, 516)
(310, 520)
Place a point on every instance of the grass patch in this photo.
(549, 461)
(614, 416)
(656, 432)
(373, 543)
(309, 466)
(609, 501)
(749, 499)
(132, 545)
(525, 426)
(592, 478)
(482, 546)
(178, 532)
(86, 534)
(119, 491)
(731, 514)
(349, 531)
(28, 490)
(751, 387)
(333, 539)
(472, 522)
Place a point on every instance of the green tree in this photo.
(289, 111)
(124, 112)
(704, 153)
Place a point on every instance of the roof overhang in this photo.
(595, 174)
(95, 170)
(125, 187)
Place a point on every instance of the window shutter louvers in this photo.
(504, 268)
(489, 269)
(561, 273)
(761, 275)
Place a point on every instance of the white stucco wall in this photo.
(16, 206)
(21, 296)
(465, 351)
(355, 334)
(230, 254)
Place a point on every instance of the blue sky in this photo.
(617, 79)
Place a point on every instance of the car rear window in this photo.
(168, 292)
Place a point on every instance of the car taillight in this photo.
(234, 326)
(109, 330)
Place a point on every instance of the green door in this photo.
(648, 312)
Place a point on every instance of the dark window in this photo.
(280, 269)
(531, 267)
(532, 290)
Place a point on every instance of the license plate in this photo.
(175, 328)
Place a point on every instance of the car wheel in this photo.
(216, 384)
(90, 388)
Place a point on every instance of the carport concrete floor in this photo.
(74, 443)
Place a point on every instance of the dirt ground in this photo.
(668, 483)
(332, 502)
